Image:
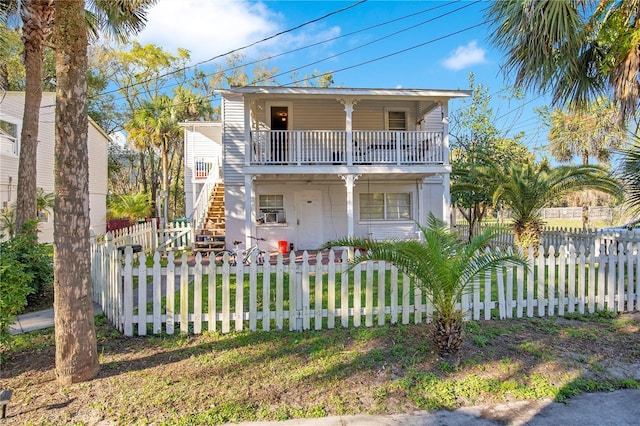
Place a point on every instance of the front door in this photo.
(279, 125)
(309, 229)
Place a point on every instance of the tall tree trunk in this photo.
(76, 347)
(36, 16)
(164, 194)
(176, 182)
(585, 199)
(143, 172)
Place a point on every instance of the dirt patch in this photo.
(216, 378)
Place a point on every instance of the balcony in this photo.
(343, 148)
(202, 166)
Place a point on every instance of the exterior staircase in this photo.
(212, 235)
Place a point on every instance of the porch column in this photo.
(350, 181)
(348, 108)
(420, 191)
(248, 208)
(446, 190)
(247, 132)
(446, 199)
(445, 133)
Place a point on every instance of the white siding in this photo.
(329, 114)
(233, 134)
(11, 109)
(200, 140)
(324, 114)
(98, 178)
(334, 223)
(433, 121)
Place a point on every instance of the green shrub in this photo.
(26, 267)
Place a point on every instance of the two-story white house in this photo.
(308, 165)
(11, 112)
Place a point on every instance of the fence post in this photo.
(92, 251)
(127, 284)
(154, 234)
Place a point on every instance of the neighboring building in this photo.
(11, 111)
(308, 165)
(202, 154)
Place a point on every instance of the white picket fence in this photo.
(175, 236)
(145, 234)
(590, 239)
(193, 295)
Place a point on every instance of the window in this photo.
(9, 137)
(271, 209)
(385, 206)
(397, 120)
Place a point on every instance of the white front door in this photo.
(309, 229)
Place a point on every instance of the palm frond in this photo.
(442, 264)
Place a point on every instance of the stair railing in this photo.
(201, 205)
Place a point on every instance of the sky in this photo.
(373, 44)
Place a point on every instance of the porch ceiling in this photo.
(382, 170)
(332, 179)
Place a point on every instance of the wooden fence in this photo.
(190, 295)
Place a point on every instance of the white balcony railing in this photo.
(367, 147)
(202, 167)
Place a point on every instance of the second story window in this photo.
(397, 120)
(9, 137)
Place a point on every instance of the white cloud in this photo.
(208, 28)
(465, 56)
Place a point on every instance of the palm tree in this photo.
(76, 346)
(443, 265)
(119, 18)
(575, 54)
(156, 124)
(37, 19)
(593, 131)
(629, 174)
(131, 206)
(526, 188)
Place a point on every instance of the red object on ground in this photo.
(283, 247)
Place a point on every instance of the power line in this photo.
(297, 27)
(373, 42)
(271, 57)
(376, 59)
(398, 52)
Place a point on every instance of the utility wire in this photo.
(376, 59)
(398, 52)
(271, 57)
(297, 27)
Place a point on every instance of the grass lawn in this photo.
(214, 378)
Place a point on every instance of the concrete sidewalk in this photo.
(618, 408)
(39, 320)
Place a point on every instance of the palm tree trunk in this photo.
(165, 180)
(76, 347)
(36, 16)
(585, 202)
